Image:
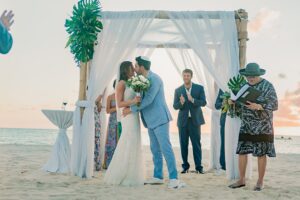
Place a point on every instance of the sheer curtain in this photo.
(121, 33)
(215, 42)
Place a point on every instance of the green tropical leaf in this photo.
(83, 28)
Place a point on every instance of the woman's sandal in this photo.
(236, 185)
(258, 188)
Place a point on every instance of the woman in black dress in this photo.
(256, 134)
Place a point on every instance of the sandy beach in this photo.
(22, 178)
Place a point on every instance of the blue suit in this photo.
(6, 40)
(156, 117)
(190, 119)
(218, 106)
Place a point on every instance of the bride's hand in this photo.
(137, 100)
(126, 111)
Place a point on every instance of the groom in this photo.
(156, 117)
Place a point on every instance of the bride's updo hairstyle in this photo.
(124, 70)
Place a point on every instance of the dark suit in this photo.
(218, 106)
(190, 126)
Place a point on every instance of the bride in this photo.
(126, 167)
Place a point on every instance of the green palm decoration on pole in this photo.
(236, 83)
(83, 28)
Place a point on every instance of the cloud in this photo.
(264, 19)
(289, 109)
(293, 94)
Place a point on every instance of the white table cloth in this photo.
(59, 160)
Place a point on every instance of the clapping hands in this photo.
(182, 99)
(190, 98)
(7, 19)
(126, 111)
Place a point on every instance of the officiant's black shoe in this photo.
(185, 171)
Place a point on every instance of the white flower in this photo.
(139, 83)
(142, 78)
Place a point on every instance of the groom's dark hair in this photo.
(143, 62)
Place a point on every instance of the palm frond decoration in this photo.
(236, 83)
(83, 28)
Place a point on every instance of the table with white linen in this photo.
(59, 160)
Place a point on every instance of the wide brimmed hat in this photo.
(252, 69)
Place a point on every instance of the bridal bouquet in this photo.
(139, 84)
(234, 84)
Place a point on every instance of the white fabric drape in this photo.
(177, 58)
(103, 124)
(211, 39)
(233, 124)
(144, 52)
(59, 160)
(215, 42)
(120, 36)
(79, 156)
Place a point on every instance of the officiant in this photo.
(256, 135)
(188, 99)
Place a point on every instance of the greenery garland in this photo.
(83, 28)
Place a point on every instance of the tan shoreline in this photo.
(21, 178)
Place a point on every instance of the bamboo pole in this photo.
(241, 24)
(82, 84)
(164, 14)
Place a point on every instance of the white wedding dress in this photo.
(127, 166)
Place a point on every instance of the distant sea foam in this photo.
(286, 140)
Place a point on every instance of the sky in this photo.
(40, 73)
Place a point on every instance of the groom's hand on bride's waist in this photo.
(126, 111)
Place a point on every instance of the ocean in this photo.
(287, 140)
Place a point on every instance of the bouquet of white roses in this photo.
(139, 84)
